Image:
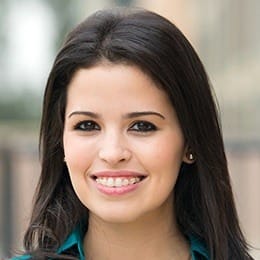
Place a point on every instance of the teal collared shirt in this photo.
(198, 251)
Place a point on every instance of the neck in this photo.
(153, 236)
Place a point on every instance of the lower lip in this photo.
(116, 191)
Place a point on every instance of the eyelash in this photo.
(87, 125)
(138, 126)
(143, 126)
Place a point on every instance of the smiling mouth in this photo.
(115, 182)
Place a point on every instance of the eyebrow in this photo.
(128, 115)
(85, 113)
(143, 113)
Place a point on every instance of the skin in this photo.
(116, 120)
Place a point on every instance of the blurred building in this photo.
(225, 33)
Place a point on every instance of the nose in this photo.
(114, 150)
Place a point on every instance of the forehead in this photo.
(112, 86)
(111, 77)
(106, 69)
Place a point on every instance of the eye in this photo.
(87, 125)
(143, 126)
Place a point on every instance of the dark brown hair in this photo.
(204, 202)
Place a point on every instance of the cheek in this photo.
(78, 155)
(167, 155)
(78, 160)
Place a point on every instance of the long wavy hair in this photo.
(204, 204)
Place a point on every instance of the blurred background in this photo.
(225, 34)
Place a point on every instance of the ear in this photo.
(188, 156)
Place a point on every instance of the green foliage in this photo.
(22, 107)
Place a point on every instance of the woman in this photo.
(133, 163)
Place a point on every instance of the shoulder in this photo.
(74, 242)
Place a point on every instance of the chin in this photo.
(116, 216)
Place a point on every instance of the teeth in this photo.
(118, 181)
(132, 181)
(110, 182)
(125, 182)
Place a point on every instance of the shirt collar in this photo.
(196, 246)
(76, 239)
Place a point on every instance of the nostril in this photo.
(114, 153)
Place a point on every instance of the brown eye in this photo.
(143, 126)
(87, 125)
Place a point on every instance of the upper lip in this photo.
(121, 173)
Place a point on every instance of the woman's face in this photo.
(122, 141)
